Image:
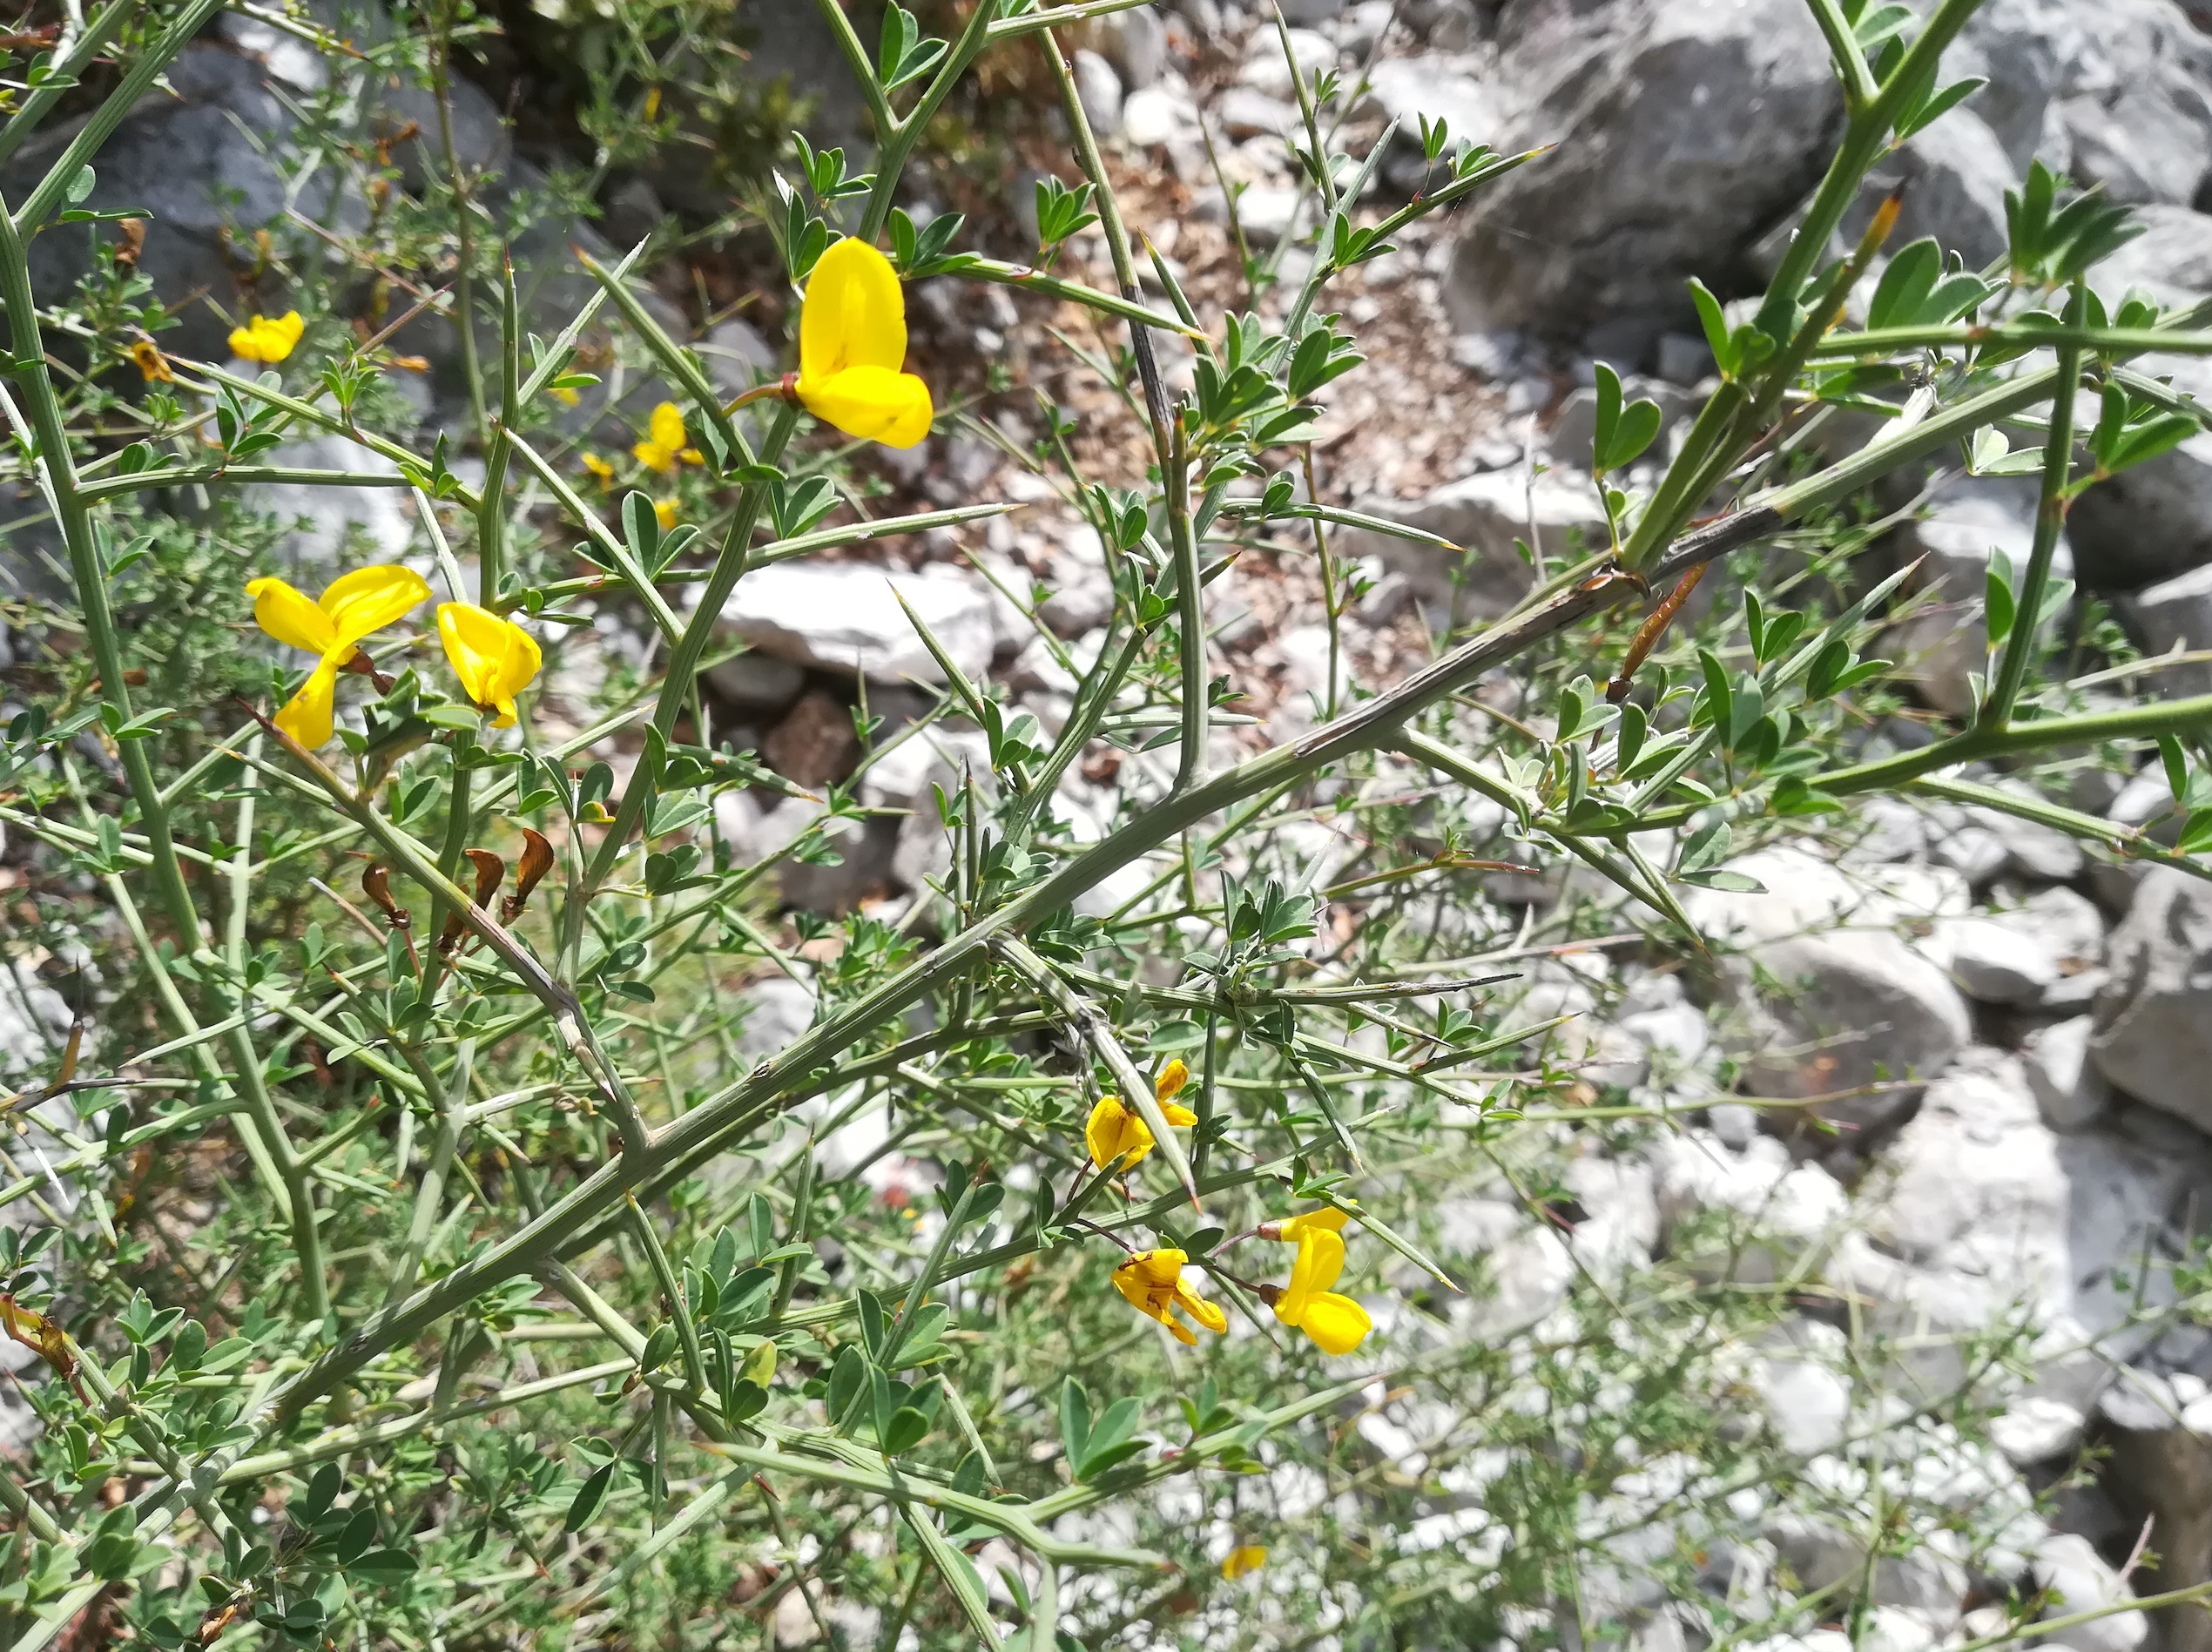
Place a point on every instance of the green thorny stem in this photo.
(654, 1161)
(57, 476)
(1737, 416)
(898, 143)
(1170, 440)
(808, 1064)
(2050, 522)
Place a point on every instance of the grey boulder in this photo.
(2154, 1020)
(1829, 997)
(1978, 1212)
(2155, 521)
(2112, 94)
(2160, 1468)
(1483, 515)
(2069, 1091)
(201, 159)
(1942, 641)
(2174, 614)
(853, 617)
(1686, 128)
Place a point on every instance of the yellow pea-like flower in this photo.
(1171, 1079)
(1244, 1558)
(267, 338)
(494, 657)
(1152, 1281)
(666, 443)
(664, 513)
(331, 626)
(1118, 1134)
(1328, 1218)
(852, 349)
(147, 356)
(1336, 1324)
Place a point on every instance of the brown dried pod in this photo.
(376, 884)
(491, 872)
(537, 861)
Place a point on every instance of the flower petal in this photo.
(1115, 1135)
(1326, 1249)
(1176, 1114)
(1320, 1258)
(1171, 1079)
(1151, 1280)
(267, 339)
(854, 316)
(517, 665)
(494, 657)
(1206, 1313)
(1102, 1131)
(1336, 1324)
(370, 599)
(1245, 1557)
(665, 428)
(308, 716)
(1131, 1283)
(873, 403)
(287, 615)
(1327, 1217)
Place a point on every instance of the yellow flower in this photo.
(664, 513)
(267, 338)
(1328, 1219)
(1152, 1280)
(1115, 1132)
(151, 362)
(494, 658)
(1245, 1557)
(602, 472)
(566, 395)
(665, 444)
(332, 626)
(1336, 1324)
(852, 349)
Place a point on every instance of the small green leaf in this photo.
(1718, 699)
(1608, 416)
(906, 1430)
(1738, 883)
(1714, 322)
(1636, 430)
(1705, 849)
(1074, 1420)
(1174, 1035)
(2177, 765)
(1998, 600)
(385, 1566)
(589, 1496)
